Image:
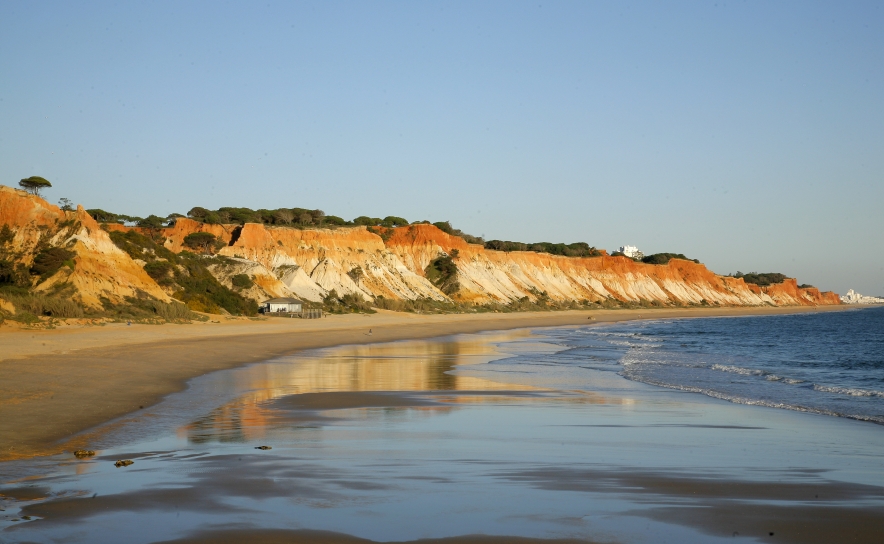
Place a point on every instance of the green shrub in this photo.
(762, 279)
(172, 312)
(25, 317)
(148, 310)
(442, 272)
(196, 286)
(6, 235)
(203, 293)
(350, 303)
(577, 249)
(152, 222)
(242, 281)
(383, 232)
(48, 261)
(393, 221)
(356, 273)
(9, 275)
(664, 258)
(160, 271)
(139, 246)
(39, 304)
(368, 221)
(202, 241)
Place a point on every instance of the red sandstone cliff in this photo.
(100, 268)
(310, 263)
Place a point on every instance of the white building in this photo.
(631, 251)
(852, 297)
(276, 305)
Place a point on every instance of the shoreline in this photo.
(55, 384)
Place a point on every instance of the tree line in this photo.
(763, 279)
(577, 249)
(305, 218)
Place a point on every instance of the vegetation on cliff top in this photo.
(577, 249)
(34, 184)
(664, 258)
(762, 279)
(303, 218)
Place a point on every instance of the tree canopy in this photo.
(34, 184)
(664, 258)
(762, 279)
(200, 240)
(577, 249)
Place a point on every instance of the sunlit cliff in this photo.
(389, 263)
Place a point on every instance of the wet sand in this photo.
(57, 383)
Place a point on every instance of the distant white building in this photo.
(852, 297)
(631, 251)
(276, 305)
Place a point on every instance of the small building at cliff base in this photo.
(277, 305)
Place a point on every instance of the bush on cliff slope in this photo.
(442, 272)
(203, 293)
(149, 311)
(14, 274)
(185, 274)
(44, 305)
(202, 241)
(242, 281)
(348, 304)
(160, 271)
(48, 261)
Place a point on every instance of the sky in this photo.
(749, 135)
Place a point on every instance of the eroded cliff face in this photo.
(310, 263)
(100, 268)
(307, 264)
(487, 276)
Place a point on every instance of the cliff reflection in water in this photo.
(410, 366)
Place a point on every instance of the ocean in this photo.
(827, 363)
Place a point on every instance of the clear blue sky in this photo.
(749, 135)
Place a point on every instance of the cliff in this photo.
(390, 263)
(100, 269)
(309, 263)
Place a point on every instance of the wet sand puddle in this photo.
(446, 438)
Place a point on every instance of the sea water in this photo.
(827, 363)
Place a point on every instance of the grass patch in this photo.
(34, 304)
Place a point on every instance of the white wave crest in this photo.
(849, 391)
(738, 370)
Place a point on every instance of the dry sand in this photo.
(57, 383)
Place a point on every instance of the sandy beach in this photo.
(57, 383)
